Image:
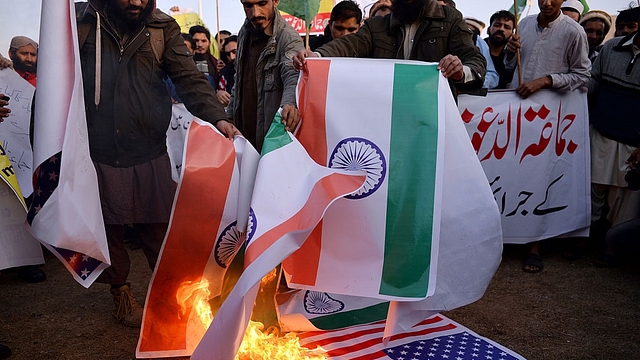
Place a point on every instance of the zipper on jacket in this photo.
(119, 41)
(630, 66)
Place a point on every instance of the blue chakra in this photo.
(316, 302)
(353, 154)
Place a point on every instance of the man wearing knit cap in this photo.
(596, 24)
(572, 9)
(24, 54)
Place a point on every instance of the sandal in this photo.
(533, 264)
(605, 261)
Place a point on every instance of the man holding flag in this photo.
(410, 34)
(127, 47)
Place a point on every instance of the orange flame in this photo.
(259, 345)
(256, 345)
(196, 294)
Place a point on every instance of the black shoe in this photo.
(5, 352)
(31, 274)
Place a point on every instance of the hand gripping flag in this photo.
(206, 230)
(65, 214)
(425, 229)
(290, 195)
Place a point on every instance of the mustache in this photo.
(133, 7)
(256, 18)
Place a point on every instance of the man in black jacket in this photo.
(128, 113)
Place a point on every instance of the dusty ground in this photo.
(571, 310)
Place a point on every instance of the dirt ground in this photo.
(571, 310)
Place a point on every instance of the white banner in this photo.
(535, 153)
(14, 131)
(176, 134)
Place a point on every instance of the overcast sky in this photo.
(22, 17)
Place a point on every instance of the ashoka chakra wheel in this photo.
(360, 154)
(251, 225)
(321, 303)
(227, 245)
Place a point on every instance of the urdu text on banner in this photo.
(535, 154)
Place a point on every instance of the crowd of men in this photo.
(560, 48)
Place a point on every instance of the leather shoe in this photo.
(31, 274)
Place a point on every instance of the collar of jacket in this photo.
(157, 17)
(622, 44)
(431, 10)
(279, 23)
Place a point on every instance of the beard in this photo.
(408, 13)
(20, 66)
(123, 20)
(498, 42)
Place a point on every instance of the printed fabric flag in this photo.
(65, 214)
(17, 246)
(202, 240)
(290, 195)
(425, 228)
(437, 337)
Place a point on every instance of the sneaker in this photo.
(31, 274)
(128, 311)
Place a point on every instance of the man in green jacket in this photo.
(415, 30)
(265, 77)
(127, 47)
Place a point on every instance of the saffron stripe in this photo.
(201, 199)
(322, 194)
(313, 135)
(412, 171)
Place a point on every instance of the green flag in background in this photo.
(586, 6)
(302, 9)
(522, 4)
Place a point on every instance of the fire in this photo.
(257, 345)
(196, 294)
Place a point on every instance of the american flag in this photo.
(65, 214)
(434, 338)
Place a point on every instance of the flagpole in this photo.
(218, 24)
(200, 8)
(515, 10)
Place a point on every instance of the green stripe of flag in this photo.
(350, 318)
(276, 137)
(412, 169)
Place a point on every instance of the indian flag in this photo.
(206, 230)
(424, 231)
(381, 117)
(290, 195)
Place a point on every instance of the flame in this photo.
(259, 345)
(268, 278)
(196, 295)
(256, 345)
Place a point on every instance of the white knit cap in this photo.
(573, 4)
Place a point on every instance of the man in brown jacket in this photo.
(128, 112)
(415, 30)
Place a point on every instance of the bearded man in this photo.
(265, 78)
(500, 30)
(416, 30)
(23, 52)
(128, 111)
